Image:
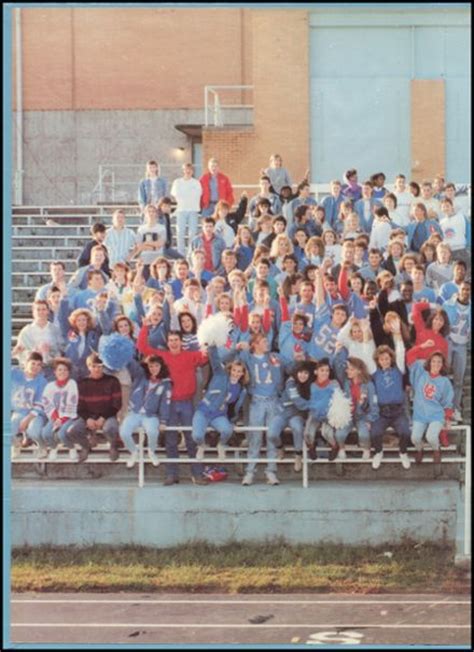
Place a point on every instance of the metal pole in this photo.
(19, 112)
(305, 465)
(141, 463)
(467, 494)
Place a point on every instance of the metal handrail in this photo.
(218, 122)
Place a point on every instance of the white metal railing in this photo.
(213, 103)
(119, 181)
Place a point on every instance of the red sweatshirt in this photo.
(423, 334)
(182, 366)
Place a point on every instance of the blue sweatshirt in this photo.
(266, 375)
(27, 392)
(289, 344)
(321, 398)
(389, 386)
(459, 316)
(323, 340)
(152, 400)
(432, 395)
(221, 393)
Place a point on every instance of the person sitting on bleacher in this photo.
(100, 399)
(98, 233)
(60, 398)
(80, 280)
(41, 336)
(57, 269)
(120, 241)
(27, 390)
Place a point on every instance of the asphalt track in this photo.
(243, 619)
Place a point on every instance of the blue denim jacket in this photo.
(367, 409)
(217, 247)
(144, 190)
(155, 403)
(216, 393)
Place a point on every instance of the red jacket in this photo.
(423, 334)
(182, 366)
(224, 189)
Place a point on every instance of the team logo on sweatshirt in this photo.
(449, 233)
(429, 391)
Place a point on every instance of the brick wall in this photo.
(131, 58)
(280, 76)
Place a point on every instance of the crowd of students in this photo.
(364, 295)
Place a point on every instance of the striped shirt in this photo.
(119, 244)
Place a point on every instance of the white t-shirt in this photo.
(404, 202)
(187, 193)
(151, 234)
(454, 231)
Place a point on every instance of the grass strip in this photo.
(239, 568)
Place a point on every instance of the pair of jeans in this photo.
(282, 420)
(34, 428)
(313, 424)
(79, 431)
(201, 422)
(432, 434)
(457, 360)
(186, 221)
(391, 416)
(52, 437)
(363, 433)
(181, 414)
(209, 211)
(132, 421)
(262, 409)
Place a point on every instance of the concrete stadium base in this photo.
(350, 512)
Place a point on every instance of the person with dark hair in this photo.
(212, 245)
(149, 406)
(182, 367)
(287, 414)
(80, 279)
(59, 402)
(389, 384)
(100, 399)
(431, 335)
(265, 193)
(98, 233)
(378, 183)
(27, 417)
(351, 189)
(163, 217)
(303, 199)
(432, 403)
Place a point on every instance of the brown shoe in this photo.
(83, 454)
(199, 480)
(113, 453)
(169, 480)
(437, 457)
(333, 453)
(419, 456)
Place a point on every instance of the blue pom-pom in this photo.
(116, 351)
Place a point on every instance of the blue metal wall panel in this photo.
(360, 92)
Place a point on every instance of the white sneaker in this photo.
(271, 478)
(53, 455)
(221, 450)
(73, 456)
(153, 457)
(341, 454)
(131, 460)
(41, 452)
(200, 452)
(377, 460)
(405, 460)
(457, 416)
(298, 463)
(248, 479)
(366, 454)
